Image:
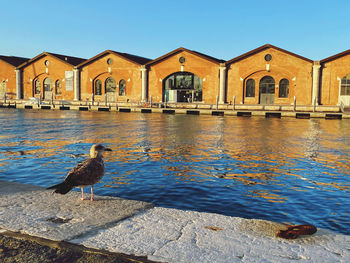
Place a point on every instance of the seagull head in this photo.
(97, 149)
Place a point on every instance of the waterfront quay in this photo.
(139, 229)
(239, 110)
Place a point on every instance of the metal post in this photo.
(92, 99)
(217, 102)
(295, 103)
(5, 97)
(315, 104)
(150, 103)
(234, 102)
(165, 98)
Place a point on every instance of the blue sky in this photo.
(220, 28)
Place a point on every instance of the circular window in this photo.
(47, 63)
(182, 60)
(268, 57)
(109, 61)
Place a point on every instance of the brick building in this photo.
(184, 76)
(50, 76)
(269, 75)
(335, 79)
(112, 77)
(266, 75)
(8, 76)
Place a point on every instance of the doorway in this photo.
(48, 87)
(182, 87)
(267, 90)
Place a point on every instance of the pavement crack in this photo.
(177, 238)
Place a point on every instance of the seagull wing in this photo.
(88, 172)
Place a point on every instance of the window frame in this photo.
(37, 88)
(115, 85)
(58, 87)
(98, 88)
(122, 89)
(250, 89)
(345, 86)
(283, 88)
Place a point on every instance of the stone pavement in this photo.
(161, 234)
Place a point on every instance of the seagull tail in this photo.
(61, 188)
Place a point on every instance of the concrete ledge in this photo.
(172, 235)
(161, 234)
(36, 211)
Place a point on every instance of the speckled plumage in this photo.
(85, 173)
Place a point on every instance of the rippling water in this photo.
(284, 170)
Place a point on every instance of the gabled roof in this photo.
(132, 58)
(14, 61)
(336, 56)
(259, 49)
(73, 61)
(181, 49)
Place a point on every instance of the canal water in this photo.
(285, 170)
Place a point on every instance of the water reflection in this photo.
(285, 170)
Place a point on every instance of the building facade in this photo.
(9, 76)
(270, 75)
(50, 76)
(184, 76)
(267, 75)
(335, 79)
(112, 77)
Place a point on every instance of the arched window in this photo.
(37, 87)
(48, 84)
(182, 87)
(283, 88)
(345, 86)
(98, 87)
(58, 86)
(110, 85)
(250, 88)
(122, 88)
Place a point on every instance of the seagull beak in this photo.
(107, 149)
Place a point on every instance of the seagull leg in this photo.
(82, 193)
(92, 193)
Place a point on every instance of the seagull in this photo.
(85, 173)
